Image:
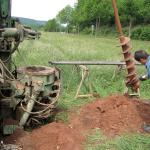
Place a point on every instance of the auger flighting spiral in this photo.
(132, 80)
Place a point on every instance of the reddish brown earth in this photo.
(114, 116)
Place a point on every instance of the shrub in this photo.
(87, 30)
(141, 32)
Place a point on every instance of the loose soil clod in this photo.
(114, 116)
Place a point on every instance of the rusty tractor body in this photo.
(29, 94)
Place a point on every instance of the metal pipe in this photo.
(117, 20)
(26, 115)
(88, 63)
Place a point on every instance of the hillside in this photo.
(31, 22)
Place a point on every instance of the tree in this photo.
(103, 12)
(65, 16)
(51, 26)
(89, 12)
(78, 17)
(144, 11)
(131, 11)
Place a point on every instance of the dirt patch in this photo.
(54, 136)
(57, 136)
(21, 138)
(114, 115)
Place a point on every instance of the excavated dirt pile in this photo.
(113, 115)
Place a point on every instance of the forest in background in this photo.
(97, 17)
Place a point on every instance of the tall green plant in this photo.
(51, 26)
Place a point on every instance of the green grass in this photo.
(97, 141)
(56, 46)
(62, 116)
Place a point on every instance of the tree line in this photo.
(97, 16)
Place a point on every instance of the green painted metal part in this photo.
(9, 129)
(42, 89)
(5, 8)
(5, 47)
(5, 13)
(11, 34)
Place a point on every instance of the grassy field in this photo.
(57, 46)
(97, 141)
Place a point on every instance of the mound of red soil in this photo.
(114, 115)
(57, 136)
(54, 136)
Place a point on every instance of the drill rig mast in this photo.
(28, 94)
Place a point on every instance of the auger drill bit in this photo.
(132, 80)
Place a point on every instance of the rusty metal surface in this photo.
(117, 20)
(37, 70)
(41, 93)
(131, 79)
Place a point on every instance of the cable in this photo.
(13, 78)
(42, 111)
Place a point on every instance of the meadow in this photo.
(61, 46)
